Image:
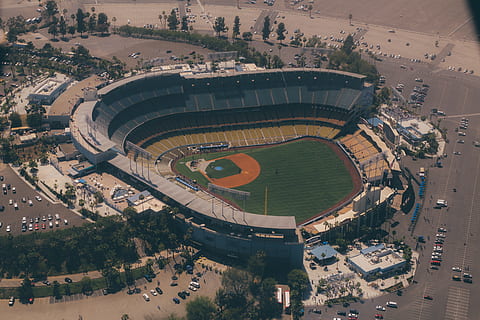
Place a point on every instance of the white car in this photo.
(10, 202)
(192, 288)
(38, 198)
(153, 292)
(380, 308)
(146, 297)
(8, 229)
(30, 203)
(457, 269)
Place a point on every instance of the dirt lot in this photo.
(39, 209)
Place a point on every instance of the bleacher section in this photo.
(127, 105)
(367, 156)
(174, 145)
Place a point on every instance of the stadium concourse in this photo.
(165, 111)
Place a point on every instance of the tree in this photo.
(51, 9)
(53, 28)
(92, 23)
(128, 274)
(268, 307)
(114, 19)
(86, 284)
(348, 45)
(234, 292)
(310, 8)
(173, 21)
(280, 32)
(247, 36)
(102, 23)
(80, 17)
(219, 26)
(350, 16)
(200, 308)
(71, 30)
(298, 281)
(62, 26)
(184, 26)
(112, 278)
(276, 62)
(266, 28)
(15, 120)
(56, 290)
(25, 291)
(236, 27)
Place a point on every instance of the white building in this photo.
(49, 89)
(377, 261)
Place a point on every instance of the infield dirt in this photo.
(250, 171)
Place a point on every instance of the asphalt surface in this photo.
(457, 95)
(11, 216)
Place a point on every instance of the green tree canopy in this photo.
(219, 25)
(172, 21)
(266, 28)
(80, 17)
(236, 27)
(102, 23)
(280, 32)
(200, 308)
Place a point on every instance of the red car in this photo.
(44, 226)
(36, 227)
(378, 316)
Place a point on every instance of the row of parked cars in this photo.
(437, 252)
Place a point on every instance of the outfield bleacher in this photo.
(366, 154)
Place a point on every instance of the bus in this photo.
(287, 302)
(279, 295)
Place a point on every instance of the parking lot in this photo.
(38, 209)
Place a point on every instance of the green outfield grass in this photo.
(303, 178)
(228, 169)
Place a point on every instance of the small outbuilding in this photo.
(324, 254)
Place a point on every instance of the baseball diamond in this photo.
(171, 115)
(300, 178)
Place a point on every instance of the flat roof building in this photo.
(49, 89)
(377, 261)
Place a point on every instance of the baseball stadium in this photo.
(246, 156)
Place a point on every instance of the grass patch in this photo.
(303, 178)
(228, 168)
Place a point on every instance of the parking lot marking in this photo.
(457, 304)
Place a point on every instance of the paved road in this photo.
(457, 94)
